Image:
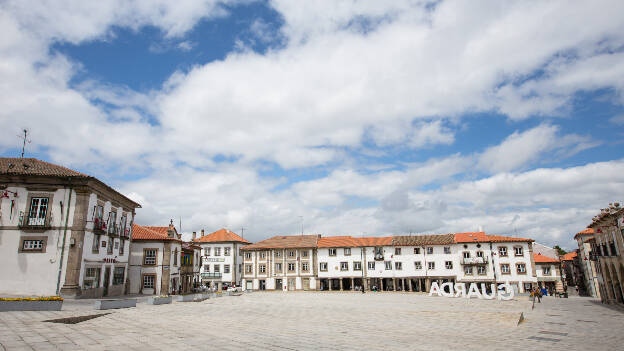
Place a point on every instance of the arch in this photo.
(617, 286)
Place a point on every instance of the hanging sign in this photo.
(503, 291)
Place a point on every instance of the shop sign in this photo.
(110, 260)
(503, 291)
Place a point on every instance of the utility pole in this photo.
(26, 140)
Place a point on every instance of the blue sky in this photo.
(361, 117)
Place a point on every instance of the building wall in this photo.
(234, 260)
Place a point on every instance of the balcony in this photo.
(211, 275)
(99, 226)
(474, 260)
(27, 223)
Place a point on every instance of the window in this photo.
(109, 249)
(357, 266)
(278, 267)
(98, 221)
(417, 251)
(481, 270)
(518, 251)
(38, 211)
(262, 268)
(291, 267)
(448, 264)
(429, 250)
(371, 266)
(347, 251)
(226, 268)
(122, 225)
(546, 270)
(92, 278)
(226, 251)
(447, 250)
(207, 252)
(95, 246)
(32, 245)
(112, 222)
(431, 265)
(388, 265)
(149, 257)
(466, 254)
(397, 250)
(323, 266)
(248, 268)
(175, 257)
(480, 254)
(262, 255)
(217, 268)
(291, 253)
(217, 251)
(206, 268)
(521, 268)
(417, 265)
(118, 275)
(505, 268)
(332, 252)
(502, 251)
(248, 255)
(344, 266)
(148, 281)
(122, 244)
(305, 266)
(278, 254)
(468, 270)
(304, 253)
(398, 266)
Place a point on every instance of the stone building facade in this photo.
(62, 232)
(587, 263)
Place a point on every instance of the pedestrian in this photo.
(538, 294)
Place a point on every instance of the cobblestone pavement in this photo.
(325, 321)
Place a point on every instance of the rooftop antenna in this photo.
(243, 232)
(26, 140)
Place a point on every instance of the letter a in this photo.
(435, 289)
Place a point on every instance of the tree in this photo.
(560, 250)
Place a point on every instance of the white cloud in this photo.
(619, 119)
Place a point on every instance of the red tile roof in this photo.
(221, 235)
(420, 240)
(539, 258)
(285, 242)
(587, 231)
(569, 256)
(33, 166)
(349, 241)
(481, 237)
(151, 233)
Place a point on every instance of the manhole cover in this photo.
(77, 319)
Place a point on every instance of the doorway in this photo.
(262, 283)
(107, 271)
(291, 284)
(249, 285)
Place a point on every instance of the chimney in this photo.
(202, 232)
(171, 230)
(194, 236)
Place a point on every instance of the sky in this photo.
(339, 117)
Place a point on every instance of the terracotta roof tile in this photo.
(569, 256)
(349, 241)
(221, 235)
(420, 240)
(33, 166)
(539, 258)
(285, 242)
(587, 231)
(481, 237)
(151, 233)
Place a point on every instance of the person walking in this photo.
(537, 293)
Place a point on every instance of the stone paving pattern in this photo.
(324, 321)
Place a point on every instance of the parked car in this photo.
(234, 288)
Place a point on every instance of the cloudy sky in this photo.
(349, 117)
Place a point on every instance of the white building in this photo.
(222, 260)
(548, 273)
(281, 263)
(61, 232)
(160, 263)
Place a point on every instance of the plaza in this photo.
(324, 321)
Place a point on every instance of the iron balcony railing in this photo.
(210, 275)
(38, 223)
(474, 260)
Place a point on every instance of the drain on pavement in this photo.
(74, 320)
(553, 333)
(539, 338)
